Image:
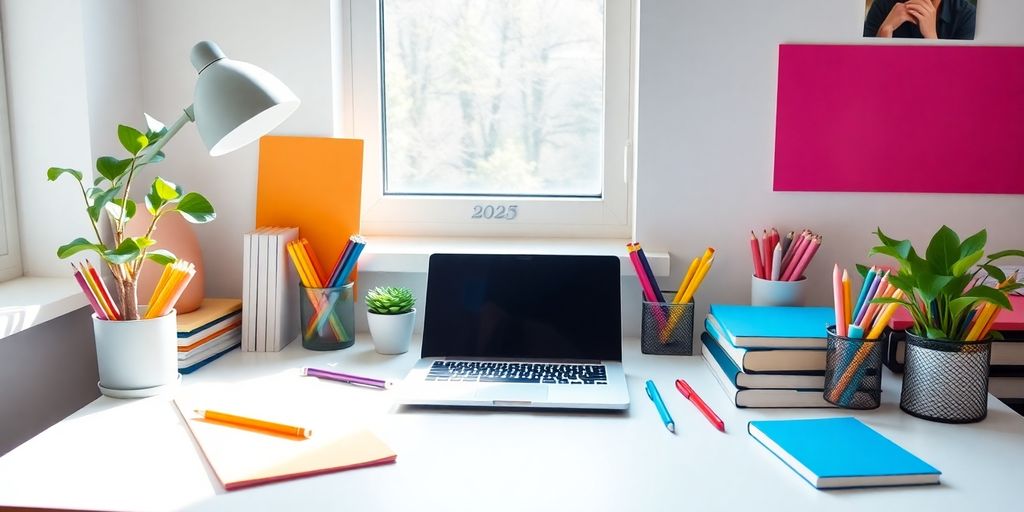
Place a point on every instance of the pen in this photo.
(652, 392)
(344, 377)
(266, 426)
(691, 395)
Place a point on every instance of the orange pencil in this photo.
(253, 423)
(314, 261)
(103, 289)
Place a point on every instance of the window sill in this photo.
(411, 254)
(29, 301)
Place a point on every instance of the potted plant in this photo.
(135, 356)
(390, 313)
(948, 353)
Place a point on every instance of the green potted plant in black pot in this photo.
(949, 346)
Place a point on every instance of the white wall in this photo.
(291, 40)
(708, 73)
(50, 125)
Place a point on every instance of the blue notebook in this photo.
(835, 453)
(773, 326)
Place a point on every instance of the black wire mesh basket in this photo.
(946, 381)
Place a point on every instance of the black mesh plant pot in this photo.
(946, 381)
(853, 371)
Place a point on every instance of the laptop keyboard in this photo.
(542, 373)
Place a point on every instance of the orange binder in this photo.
(313, 183)
(242, 457)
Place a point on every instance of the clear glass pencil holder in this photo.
(667, 328)
(327, 317)
(853, 371)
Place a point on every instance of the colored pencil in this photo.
(686, 280)
(103, 291)
(805, 259)
(776, 261)
(358, 243)
(766, 254)
(786, 244)
(87, 291)
(646, 266)
(863, 293)
(755, 252)
(846, 299)
(837, 298)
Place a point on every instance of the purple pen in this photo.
(344, 377)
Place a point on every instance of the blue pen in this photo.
(652, 392)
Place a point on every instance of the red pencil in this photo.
(767, 248)
(691, 395)
(805, 259)
(798, 250)
(756, 253)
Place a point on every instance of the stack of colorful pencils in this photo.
(169, 288)
(96, 292)
(863, 318)
(783, 259)
(312, 276)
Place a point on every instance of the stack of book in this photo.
(270, 290)
(208, 332)
(1006, 373)
(768, 356)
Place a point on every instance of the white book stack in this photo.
(270, 305)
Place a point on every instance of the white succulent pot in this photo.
(136, 358)
(391, 334)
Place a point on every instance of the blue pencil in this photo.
(650, 273)
(357, 247)
(863, 292)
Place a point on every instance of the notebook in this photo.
(241, 457)
(741, 380)
(769, 360)
(520, 330)
(773, 326)
(835, 453)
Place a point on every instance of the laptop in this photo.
(534, 331)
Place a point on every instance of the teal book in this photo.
(836, 453)
(767, 327)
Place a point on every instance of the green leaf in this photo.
(973, 243)
(166, 190)
(863, 270)
(161, 257)
(127, 251)
(889, 300)
(112, 168)
(989, 294)
(54, 172)
(144, 242)
(996, 336)
(100, 202)
(76, 246)
(994, 272)
(114, 209)
(943, 251)
(902, 247)
(153, 202)
(959, 305)
(196, 209)
(936, 334)
(956, 286)
(892, 252)
(965, 263)
(92, 192)
(1003, 254)
(132, 139)
(901, 282)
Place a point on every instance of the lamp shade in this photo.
(236, 102)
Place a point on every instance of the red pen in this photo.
(691, 395)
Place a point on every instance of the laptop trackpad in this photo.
(514, 392)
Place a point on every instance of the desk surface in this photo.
(138, 455)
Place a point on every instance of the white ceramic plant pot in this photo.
(136, 358)
(391, 334)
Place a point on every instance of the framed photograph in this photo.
(920, 19)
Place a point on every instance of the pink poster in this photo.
(900, 119)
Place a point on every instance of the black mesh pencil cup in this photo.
(946, 381)
(853, 371)
(666, 328)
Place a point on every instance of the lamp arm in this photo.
(187, 116)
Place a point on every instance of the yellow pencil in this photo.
(96, 292)
(164, 276)
(691, 289)
(980, 321)
(686, 280)
(885, 317)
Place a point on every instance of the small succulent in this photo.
(390, 300)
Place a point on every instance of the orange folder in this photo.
(313, 183)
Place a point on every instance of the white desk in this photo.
(138, 455)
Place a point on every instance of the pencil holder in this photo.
(327, 317)
(764, 292)
(946, 381)
(853, 371)
(666, 328)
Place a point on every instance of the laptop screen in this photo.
(519, 306)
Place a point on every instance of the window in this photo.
(10, 257)
(504, 117)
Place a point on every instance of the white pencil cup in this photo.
(777, 293)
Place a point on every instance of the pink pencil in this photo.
(840, 305)
(89, 295)
(766, 242)
(795, 250)
(805, 259)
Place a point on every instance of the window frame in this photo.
(10, 263)
(361, 112)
